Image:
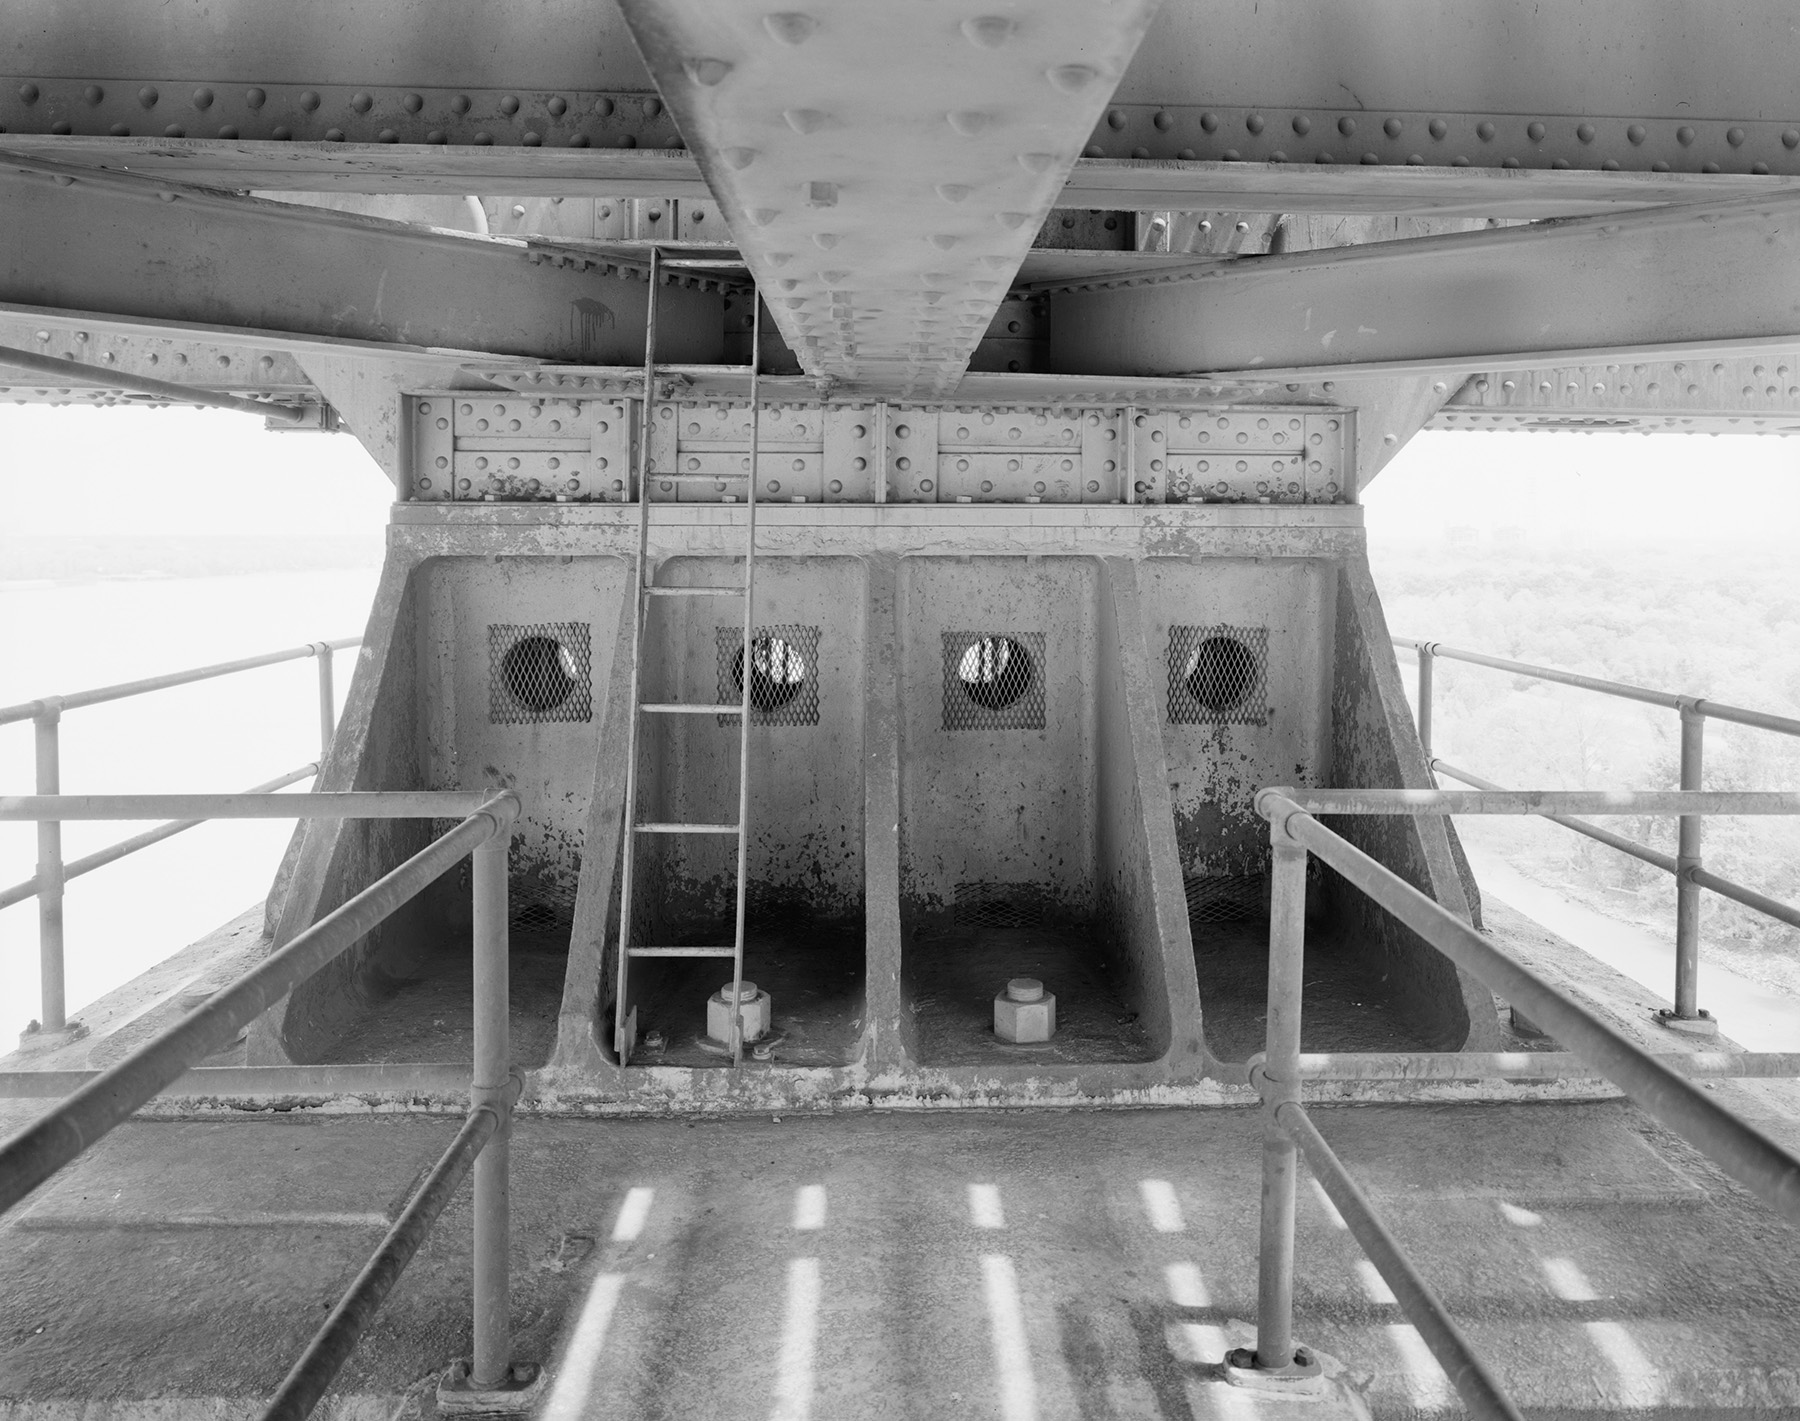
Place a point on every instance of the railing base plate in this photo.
(1304, 1376)
(1704, 1024)
(519, 1396)
(35, 1038)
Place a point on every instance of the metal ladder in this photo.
(624, 1012)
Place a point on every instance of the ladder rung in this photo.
(687, 828)
(693, 592)
(681, 708)
(683, 952)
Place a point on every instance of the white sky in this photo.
(78, 470)
(127, 471)
(1605, 487)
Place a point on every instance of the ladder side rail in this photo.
(743, 815)
(640, 605)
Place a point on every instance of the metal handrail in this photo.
(1623, 690)
(53, 874)
(112, 853)
(1668, 863)
(1690, 874)
(36, 1152)
(1737, 1147)
(30, 710)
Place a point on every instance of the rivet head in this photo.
(984, 31)
(1115, 119)
(147, 96)
(1209, 122)
(1438, 128)
(1585, 132)
(508, 105)
(1072, 78)
(1302, 124)
(28, 94)
(1164, 120)
(1735, 137)
(707, 72)
(1346, 126)
(309, 100)
(255, 98)
(93, 93)
(558, 106)
(203, 98)
(1392, 128)
(1790, 138)
(1535, 131)
(1684, 136)
(1485, 131)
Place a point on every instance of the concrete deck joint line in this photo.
(799, 1333)
(632, 1214)
(809, 1207)
(1012, 1348)
(1162, 1206)
(575, 1378)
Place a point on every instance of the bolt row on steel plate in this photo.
(522, 449)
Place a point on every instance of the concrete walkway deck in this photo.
(1016, 1265)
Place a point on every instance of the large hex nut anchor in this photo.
(1025, 1012)
(754, 1011)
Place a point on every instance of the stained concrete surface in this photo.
(952, 974)
(813, 973)
(868, 1265)
(430, 1017)
(1345, 1004)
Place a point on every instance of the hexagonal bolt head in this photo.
(1025, 1012)
(754, 1012)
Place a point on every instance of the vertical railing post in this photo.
(491, 1086)
(1687, 859)
(1279, 1082)
(1427, 660)
(327, 701)
(53, 1006)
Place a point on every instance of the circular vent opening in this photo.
(1221, 673)
(777, 672)
(994, 672)
(539, 671)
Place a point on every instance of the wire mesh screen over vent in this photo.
(538, 907)
(998, 905)
(1218, 675)
(535, 902)
(1226, 897)
(994, 680)
(540, 672)
(784, 674)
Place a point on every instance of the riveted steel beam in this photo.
(1654, 282)
(1684, 86)
(1747, 394)
(124, 248)
(885, 169)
